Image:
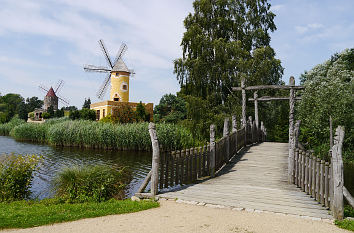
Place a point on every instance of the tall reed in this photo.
(91, 134)
(7, 127)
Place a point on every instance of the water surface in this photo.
(57, 158)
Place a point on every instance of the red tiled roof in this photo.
(51, 93)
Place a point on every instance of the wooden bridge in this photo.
(241, 170)
(255, 179)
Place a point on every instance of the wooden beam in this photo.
(243, 102)
(155, 159)
(268, 98)
(347, 196)
(262, 87)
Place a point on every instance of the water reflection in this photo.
(56, 158)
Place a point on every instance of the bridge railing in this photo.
(323, 180)
(180, 167)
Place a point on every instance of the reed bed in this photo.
(91, 134)
(7, 127)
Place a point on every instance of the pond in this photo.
(56, 158)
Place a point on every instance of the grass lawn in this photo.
(24, 214)
(346, 224)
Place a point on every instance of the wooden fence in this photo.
(320, 179)
(190, 165)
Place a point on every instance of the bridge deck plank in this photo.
(255, 179)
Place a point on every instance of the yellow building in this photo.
(119, 93)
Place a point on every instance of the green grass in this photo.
(346, 224)
(24, 214)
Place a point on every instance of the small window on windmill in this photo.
(115, 98)
(125, 87)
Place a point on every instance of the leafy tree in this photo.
(170, 109)
(224, 40)
(50, 110)
(22, 111)
(10, 103)
(33, 103)
(328, 92)
(140, 112)
(70, 108)
(59, 113)
(87, 103)
(124, 114)
(74, 114)
(87, 114)
(46, 115)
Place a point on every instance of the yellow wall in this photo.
(118, 79)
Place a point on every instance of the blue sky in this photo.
(42, 41)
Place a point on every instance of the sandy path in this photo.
(177, 217)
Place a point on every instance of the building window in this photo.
(116, 99)
(104, 112)
(98, 115)
(125, 87)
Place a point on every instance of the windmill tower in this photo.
(52, 96)
(118, 75)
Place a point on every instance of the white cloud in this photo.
(276, 8)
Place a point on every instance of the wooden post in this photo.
(337, 166)
(243, 102)
(313, 177)
(155, 159)
(330, 133)
(234, 129)
(291, 129)
(318, 179)
(250, 129)
(255, 96)
(322, 191)
(296, 166)
(212, 150)
(306, 183)
(263, 133)
(326, 185)
(227, 141)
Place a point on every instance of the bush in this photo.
(16, 174)
(91, 183)
(87, 114)
(125, 114)
(7, 127)
(46, 115)
(328, 92)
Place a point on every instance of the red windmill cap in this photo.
(51, 92)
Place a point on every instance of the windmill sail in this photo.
(92, 68)
(105, 53)
(102, 91)
(59, 86)
(123, 48)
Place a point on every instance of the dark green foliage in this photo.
(345, 224)
(87, 114)
(33, 103)
(46, 115)
(171, 109)
(59, 113)
(91, 183)
(328, 92)
(9, 104)
(50, 110)
(74, 114)
(70, 108)
(87, 103)
(224, 40)
(348, 211)
(16, 174)
(22, 111)
(140, 112)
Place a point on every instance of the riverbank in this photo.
(176, 217)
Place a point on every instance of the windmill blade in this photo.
(102, 91)
(92, 68)
(123, 48)
(105, 53)
(43, 88)
(63, 101)
(59, 86)
(132, 72)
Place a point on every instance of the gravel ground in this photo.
(180, 217)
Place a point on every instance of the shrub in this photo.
(91, 183)
(125, 114)
(7, 127)
(87, 114)
(16, 174)
(46, 115)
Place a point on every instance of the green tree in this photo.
(87, 114)
(224, 40)
(50, 110)
(33, 103)
(170, 109)
(87, 103)
(10, 103)
(70, 108)
(59, 113)
(328, 92)
(22, 111)
(140, 112)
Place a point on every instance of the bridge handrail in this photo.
(190, 165)
(320, 179)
